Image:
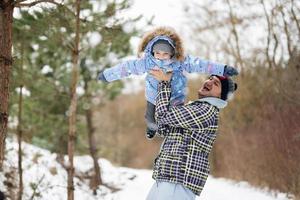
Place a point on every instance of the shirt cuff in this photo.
(165, 83)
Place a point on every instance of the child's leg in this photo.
(150, 120)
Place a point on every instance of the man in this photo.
(181, 167)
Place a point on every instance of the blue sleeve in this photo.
(194, 64)
(122, 70)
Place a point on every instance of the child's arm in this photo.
(194, 64)
(123, 70)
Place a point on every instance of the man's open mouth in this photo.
(205, 88)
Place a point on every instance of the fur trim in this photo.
(167, 31)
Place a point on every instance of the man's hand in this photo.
(160, 75)
(230, 71)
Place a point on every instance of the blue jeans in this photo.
(169, 191)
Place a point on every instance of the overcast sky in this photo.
(166, 12)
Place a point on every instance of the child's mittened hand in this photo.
(230, 71)
(101, 77)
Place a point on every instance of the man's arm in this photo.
(192, 116)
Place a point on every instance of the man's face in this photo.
(210, 88)
(161, 55)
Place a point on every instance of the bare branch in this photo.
(269, 33)
(286, 30)
(35, 187)
(18, 1)
(276, 39)
(294, 16)
(275, 48)
(235, 34)
(19, 4)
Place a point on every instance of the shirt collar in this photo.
(219, 103)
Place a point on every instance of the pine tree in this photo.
(47, 61)
(6, 22)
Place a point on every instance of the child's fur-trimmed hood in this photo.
(163, 31)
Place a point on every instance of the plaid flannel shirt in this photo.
(190, 131)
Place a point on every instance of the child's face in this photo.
(161, 55)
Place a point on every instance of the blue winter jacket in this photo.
(178, 80)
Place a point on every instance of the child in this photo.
(163, 48)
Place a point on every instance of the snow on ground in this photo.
(42, 170)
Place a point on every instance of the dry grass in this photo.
(259, 137)
(121, 132)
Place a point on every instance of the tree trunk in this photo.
(96, 179)
(20, 131)
(6, 20)
(72, 110)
